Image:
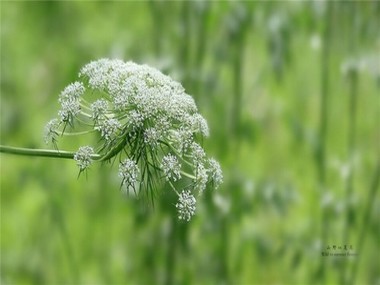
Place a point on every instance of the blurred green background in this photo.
(291, 94)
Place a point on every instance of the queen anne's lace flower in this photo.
(201, 178)
(182, 138)
(108, 128)
(70, 108)
(198, 153)
(99, 108)
(70, 101)
(186, 205)
(197, 124)
(83, 157)
(171, 167)
(50, 132)
(163, 125)
(73, 90)
(151, 136)
(135, 120)
(216, 173)
(146, 120)
(121, 101)
(201, 124)
(128, 171)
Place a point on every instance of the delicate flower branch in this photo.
(144, 118)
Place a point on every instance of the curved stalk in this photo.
(41, 152)
(188, 175)
(173, 188)
(78, 133)
(86, 114)
(84, 106)
(176, 152)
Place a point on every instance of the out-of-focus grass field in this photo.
(291, 94)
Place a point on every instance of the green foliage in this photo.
(258, 72)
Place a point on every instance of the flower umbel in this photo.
(186, 205)
(70, 108)
(99, 108)
(216, 173)
(108, 128)
(151, 136)
(201, 178)
(72, 91)
(50, 132)
(128, 171)
(146, 121)
(171, 167)
(83, 157)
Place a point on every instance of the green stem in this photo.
(188, 175)
(353, 82)
(41, 152)
(59, 221)
(176, 152)
(85, 107)
(86, 114)
(78, 133)
(173, 188)
(366, 221)
(323, 130)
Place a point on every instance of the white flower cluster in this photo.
(216, 173)
(50, 132)
(99, 109)
(171, 167)
(186, 205)
(151, 136)
(201, 178)
(70, 101)
(83, 157)
(108, 128)
(128, 171)
(198, 153)
(145, 118)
